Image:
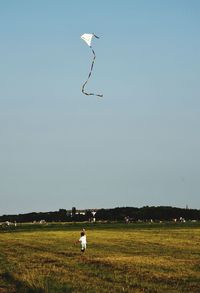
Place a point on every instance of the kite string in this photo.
(89, 75)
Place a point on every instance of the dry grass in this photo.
(118, 259)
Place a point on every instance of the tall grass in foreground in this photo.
(119, 258)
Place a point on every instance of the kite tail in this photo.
(89, 75)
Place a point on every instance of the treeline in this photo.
(148, 213)
(116, 214)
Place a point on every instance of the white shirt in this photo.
(83, 239)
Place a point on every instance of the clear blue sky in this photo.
(139, 145)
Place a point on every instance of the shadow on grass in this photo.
(50, 285)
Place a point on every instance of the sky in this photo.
(137, 146)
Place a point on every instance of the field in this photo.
(119, 258)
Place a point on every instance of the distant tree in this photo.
(73, 212)
(62, 211)
(88, 215)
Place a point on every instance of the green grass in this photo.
(119, 258)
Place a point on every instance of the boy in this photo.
(83, 241)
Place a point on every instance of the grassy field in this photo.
(119, 258)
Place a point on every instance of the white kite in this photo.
(88, 39)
